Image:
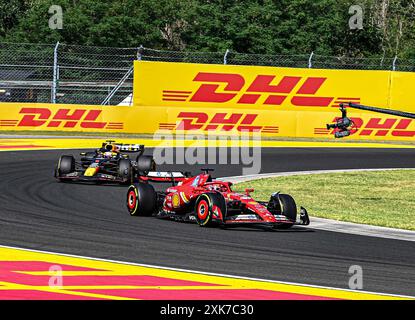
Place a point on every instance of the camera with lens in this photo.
(342, 124)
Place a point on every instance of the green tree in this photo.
(11, 12)
(248, 26)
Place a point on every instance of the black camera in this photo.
(342, 134)
(343, 124)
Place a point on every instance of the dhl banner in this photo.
(228, 100)
(79, 118)
(289, 102)
(204, 86)
(402, 93)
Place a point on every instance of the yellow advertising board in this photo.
(229, 100)
(79, 118)
(202, 86)
(402, 91)
(289, 102)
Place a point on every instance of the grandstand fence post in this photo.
(140, 52)
(394, 63)
(225, 57)
(310, 64)
(55, 73)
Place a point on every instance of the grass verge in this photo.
(382, 198)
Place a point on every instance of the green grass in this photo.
(382, 198)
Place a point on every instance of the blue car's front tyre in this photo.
(66, 164)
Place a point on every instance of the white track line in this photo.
(237, 179)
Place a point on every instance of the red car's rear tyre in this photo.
(210, 208)
(141, 200)
(145, 164)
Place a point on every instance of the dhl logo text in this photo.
(189, 121)
(64, 118)
(376, 127)
(266, 89)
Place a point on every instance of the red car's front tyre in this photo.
(210, 208)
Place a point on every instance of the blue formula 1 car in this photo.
(109, 164)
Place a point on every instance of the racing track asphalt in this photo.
(39, 213)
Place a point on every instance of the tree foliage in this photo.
(248, 26)
(11, 12)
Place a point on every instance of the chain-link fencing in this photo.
(26, 72)
(72, 74)
(65, 73)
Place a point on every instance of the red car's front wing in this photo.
(232, 221)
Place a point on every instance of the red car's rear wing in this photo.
(130, 147)
(165, 176)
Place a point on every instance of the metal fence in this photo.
(62, 73)
(65, 73)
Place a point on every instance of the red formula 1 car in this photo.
(211, 202)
